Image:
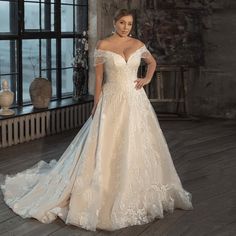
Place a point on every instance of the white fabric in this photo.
(116, 172)
(100, 55)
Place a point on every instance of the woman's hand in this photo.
(93, 110)
(141, 82)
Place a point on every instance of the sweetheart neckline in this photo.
(126, 61)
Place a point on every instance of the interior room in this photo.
(53, 117)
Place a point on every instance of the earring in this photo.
(130, 35)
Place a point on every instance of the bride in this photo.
(118, 170)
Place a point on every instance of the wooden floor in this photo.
(204, 154)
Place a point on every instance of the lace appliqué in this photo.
(148, 205)
(99, 57)
(144, 52)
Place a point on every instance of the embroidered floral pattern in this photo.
(116, 172)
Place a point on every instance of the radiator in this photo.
(37, 125)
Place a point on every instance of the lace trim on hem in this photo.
(165, 198)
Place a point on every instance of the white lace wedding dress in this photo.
(116, 172)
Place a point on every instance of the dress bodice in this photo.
(116, 68)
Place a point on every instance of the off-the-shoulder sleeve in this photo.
(99, 57)
(144, 52)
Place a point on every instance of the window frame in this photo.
(23, 34)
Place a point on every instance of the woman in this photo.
(122, 44)
(118, 170)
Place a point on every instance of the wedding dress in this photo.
(116, 172)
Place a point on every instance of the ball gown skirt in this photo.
(116, 172)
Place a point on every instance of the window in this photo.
(38, 38)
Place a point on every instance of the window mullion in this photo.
(19, 68)
(21, 16)
(13, 29)
(57, 21)
(47, 25)
(19, 53)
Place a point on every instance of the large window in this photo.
(37, 39)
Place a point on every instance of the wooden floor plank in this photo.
(32, 227)
(204, 154)
(10, 224)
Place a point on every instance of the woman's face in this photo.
(124, 25)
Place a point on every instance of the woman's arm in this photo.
(98, 86)
(151, 67)
(151, 62)
(98, 82)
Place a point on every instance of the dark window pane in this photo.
(32, 15)
(5, 57)
(81, 19)
(47, 16)
(77, 2)
(68, 13)
(67, 1)
(30, 55)
(49, 62)
(8, 17)
(39, 16)
(67, 18)
(8, 63)
(53, 75)
(67, 56)
(38, 1)
(32, 60)
(84, 2)
(4, 17)
(8, 57)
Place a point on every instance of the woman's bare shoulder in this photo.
(137, 43)
(103, 43)
(100, 44)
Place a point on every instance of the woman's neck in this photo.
(124, 38)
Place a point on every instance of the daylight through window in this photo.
(38, 38)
